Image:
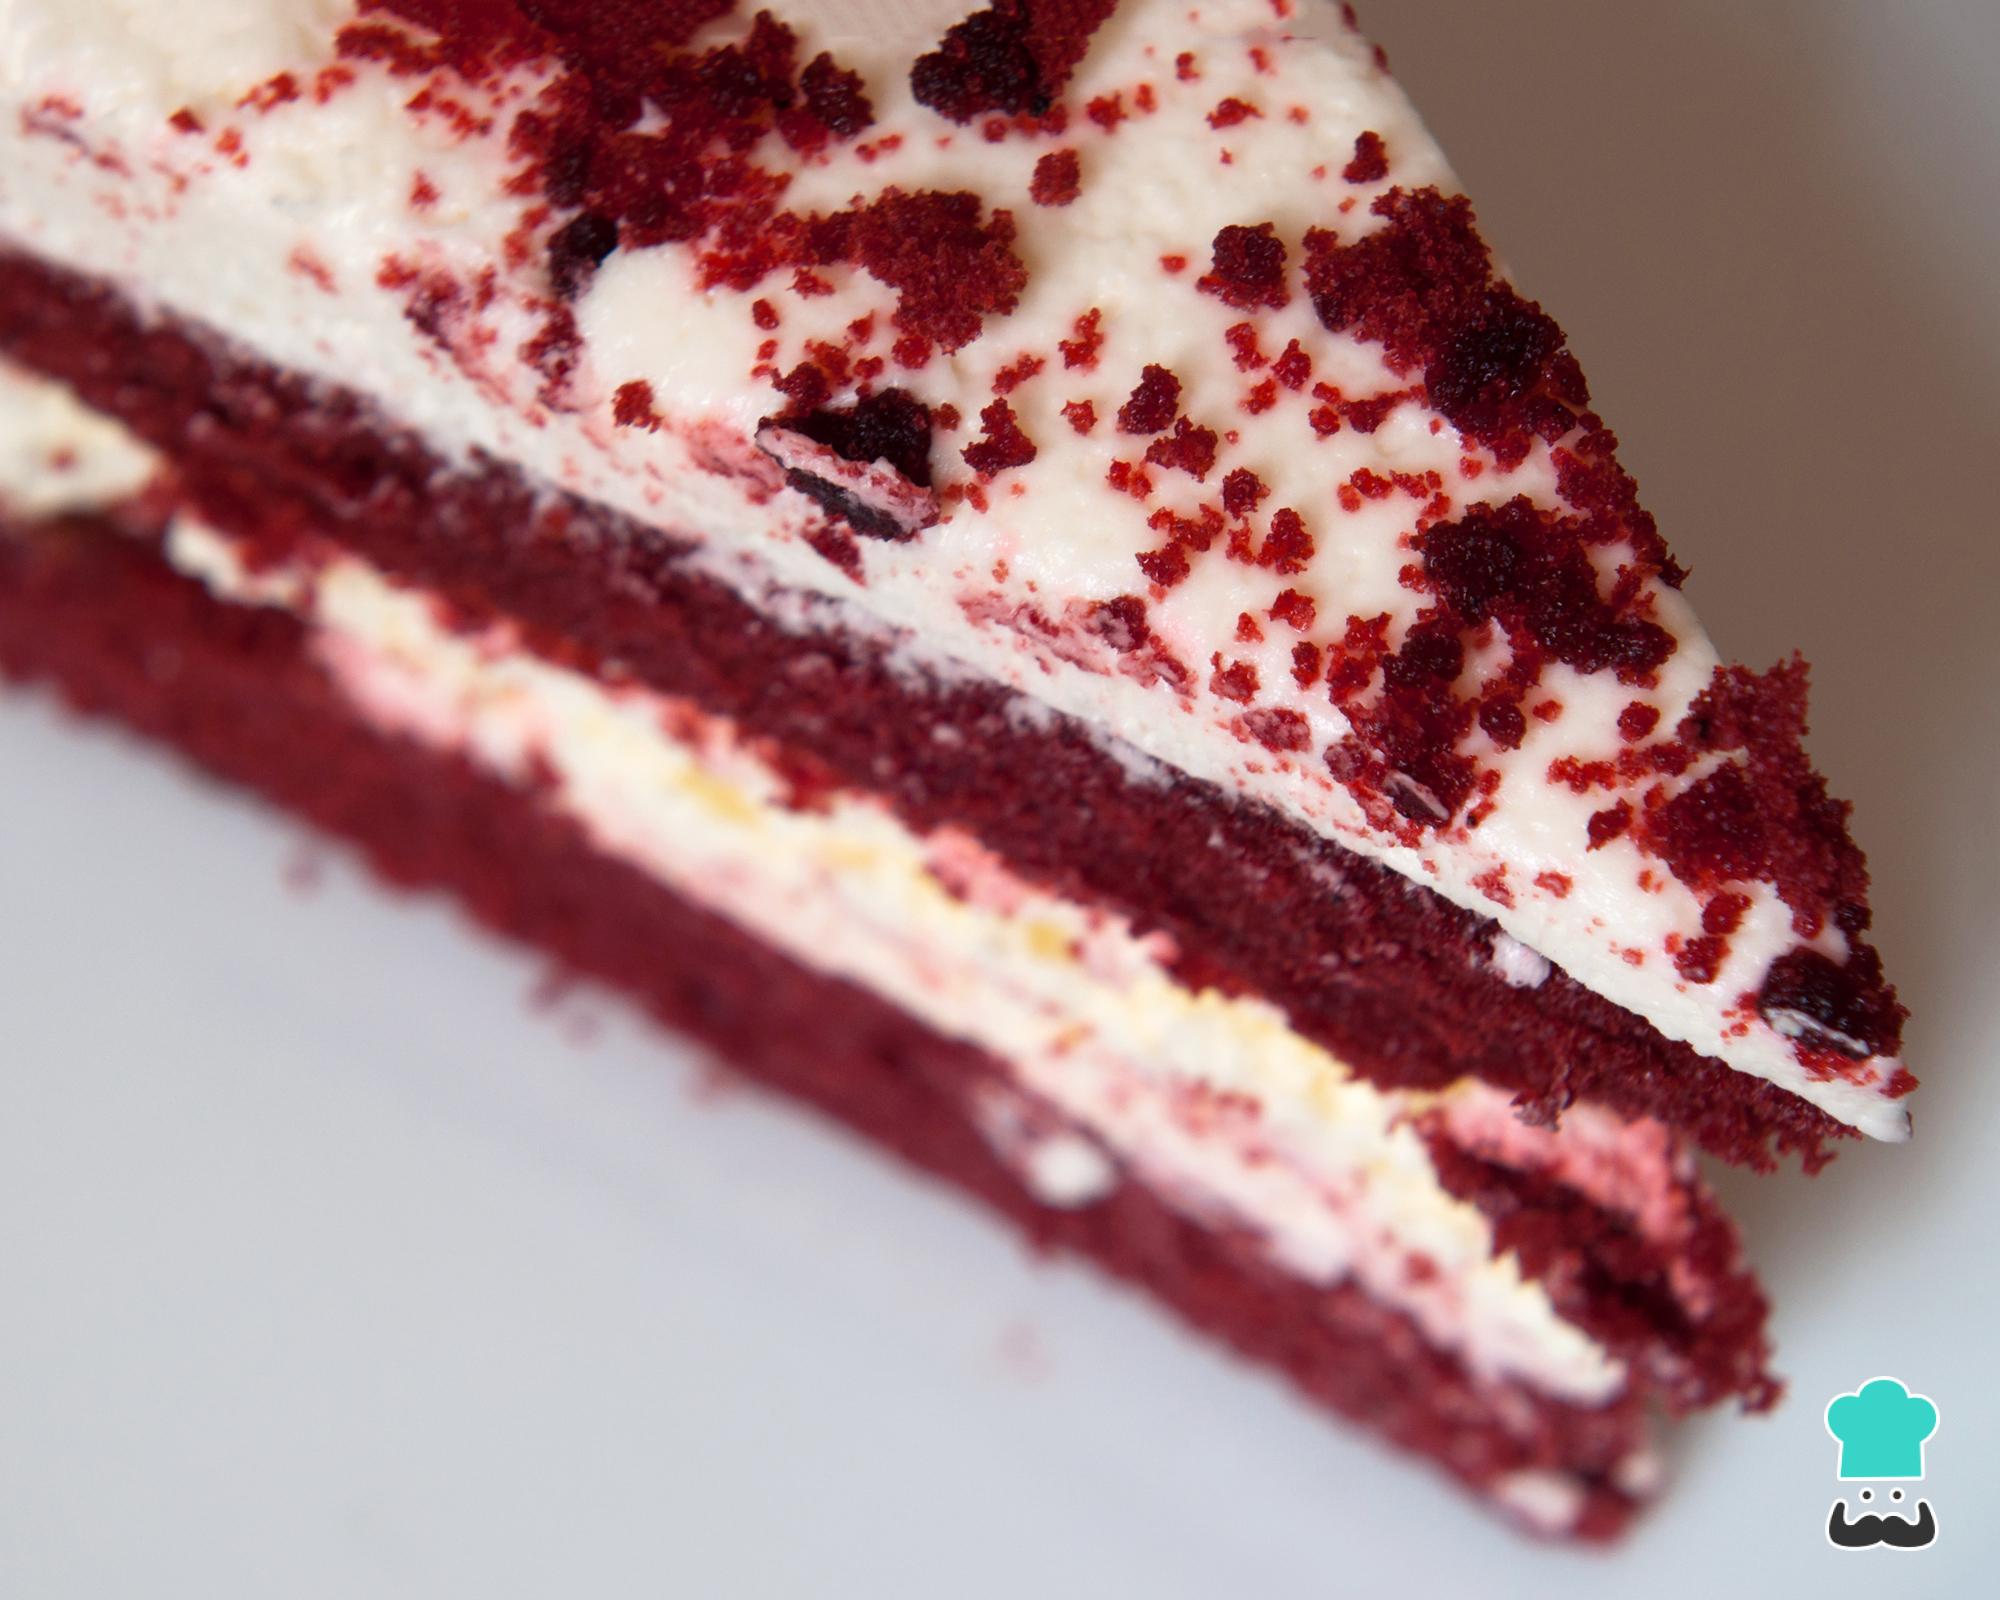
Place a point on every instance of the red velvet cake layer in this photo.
(1394, 979)
(102, 617)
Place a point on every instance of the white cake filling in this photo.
(314, 195)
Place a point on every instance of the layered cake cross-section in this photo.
(1020, 572)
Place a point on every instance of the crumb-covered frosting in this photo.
(1145, 359)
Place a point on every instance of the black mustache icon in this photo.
(1868, 1530)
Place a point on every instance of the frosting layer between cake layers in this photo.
(1217, 505)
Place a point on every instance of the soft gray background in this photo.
(331, 1265)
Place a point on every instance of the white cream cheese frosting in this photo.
(339, 202)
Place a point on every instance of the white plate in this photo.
(331, 1263)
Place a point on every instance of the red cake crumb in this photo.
(632, 406)
(1242, 490)
(1080, 414)
(1013, 57)
(1723, 914)
(1189, 448)
(1503, 723)
(1638, 719)
(1016, 372)
(1228, 113)
(1003, 445)
(1277, 729)
(1248, 269)
(1294, 609)
(1236, 681)
(1288, 548)
(950, 264)
(1088, 338)
(1153, 403)
(1058, 179)
(1608, 824)
(838, 547)
(1371, 160)
(1293, 366)
(1166, 567)
(834, 97)
(1424, 288)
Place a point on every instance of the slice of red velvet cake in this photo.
(1021, 573)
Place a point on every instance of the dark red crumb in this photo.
(1003, 445)
(1080, 414)
(835, 96)
(891, 426)
(1058, 179)
(1371, 160)
(1189, 448)
(1494, 364)
(1248, 268)
(1013, 57)
(1153, 403)
(1242, 489)
(1228, 113)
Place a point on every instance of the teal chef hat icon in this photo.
(1881, 1428)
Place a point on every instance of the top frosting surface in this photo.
(1145, 361)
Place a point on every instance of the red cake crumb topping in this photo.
(834, 96)
(1525, 568)
(1230, 112)
(1248, 269)
(1371, 160)
(1013, 57)
(1494, 364)
(1189, 448)
(1058, 179)
(1242, 490)
(1080, 414)
(632, 406)
(686, 178)
(1847, 1010)
(1770, 818)
(1153, 403)
(1277, 729)
(1002, 446)
(1235, 681)
(1637, 720)
(1294, 609)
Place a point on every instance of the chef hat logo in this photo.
(1881, 1428)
